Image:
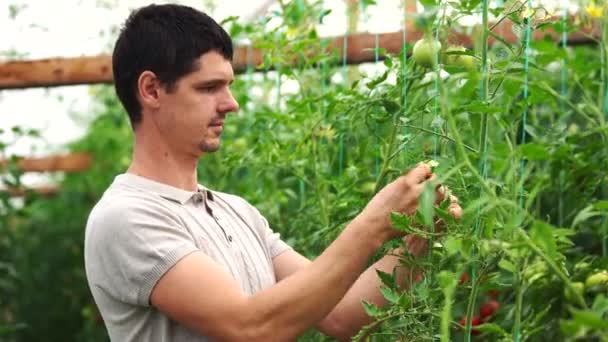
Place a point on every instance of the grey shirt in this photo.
(140, 228)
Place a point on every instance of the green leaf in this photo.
(390, 295)
(371, 309)
(584, 215)
(471, 4)
(534, 151)
(601, 205)
(569, 328)
(452, 245)
(391, 106)
(429, 3)
(401, 222)
(446, 279)
(388, 62)
(542, 235)
(590, 319)
(506, 265)
(480, 107)
(500, 39)
(491, 328)
(426, 204)
(600, 304)
(323, 14)
(366, 3)
(386, 278)
(373, 83)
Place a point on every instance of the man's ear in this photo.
(148, 89)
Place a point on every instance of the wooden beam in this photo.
(56, 72)
(67, 163)
(98, 69)
(44, 191)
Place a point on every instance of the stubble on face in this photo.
(207, 147)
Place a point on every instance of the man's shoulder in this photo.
(227, 197)
(233, 200)
(121, 203)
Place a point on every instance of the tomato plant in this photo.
(311, 147)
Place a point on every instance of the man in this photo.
(169, 260)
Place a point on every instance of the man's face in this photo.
(192, 114)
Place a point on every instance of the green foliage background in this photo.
(311, 159)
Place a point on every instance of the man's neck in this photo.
(158, 163)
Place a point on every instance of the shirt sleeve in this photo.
(274, 244)
(273, 239)
(134, 245)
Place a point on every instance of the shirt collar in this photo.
(163, 190)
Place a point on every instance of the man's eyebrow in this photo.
(213, 81)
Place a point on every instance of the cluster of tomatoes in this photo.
(487, 310)
(594, 283)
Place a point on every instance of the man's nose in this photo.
(229, 104)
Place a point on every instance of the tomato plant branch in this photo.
(555, 94)
(507, 15)
(518, 304)
(391, 144)
(462, 154)
(579, 298)
(438, 134)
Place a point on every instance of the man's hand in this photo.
(443, 193)
(418, 245)
(401, 195)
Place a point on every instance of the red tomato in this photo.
(474, 322)
(464, 277)
(492, 294)
(488, 309)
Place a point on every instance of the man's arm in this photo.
(348, 316)
(198, 293)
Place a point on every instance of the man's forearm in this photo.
(349, 311)
(301, 300)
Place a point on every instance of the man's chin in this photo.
(206, 147)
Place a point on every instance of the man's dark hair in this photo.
(167, 40)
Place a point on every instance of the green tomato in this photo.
(578, 288)
(597, 281)
(240, 143)
(581, 266)
(535, 271)
(368, 187)
(425, 51)
(464, 61)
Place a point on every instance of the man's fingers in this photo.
(441, 194)
(455, 210)
(419, 174)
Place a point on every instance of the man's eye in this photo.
(208, 88)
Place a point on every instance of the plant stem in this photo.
(322, 204)
(506, 16)
(391, 146)
(553, 266)
(440, 135)
(558, 96)
(518, 305)
(483, 136)
(471, 303)
(602, 98)
(462, 154)
(446, 314)
(604, 104)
